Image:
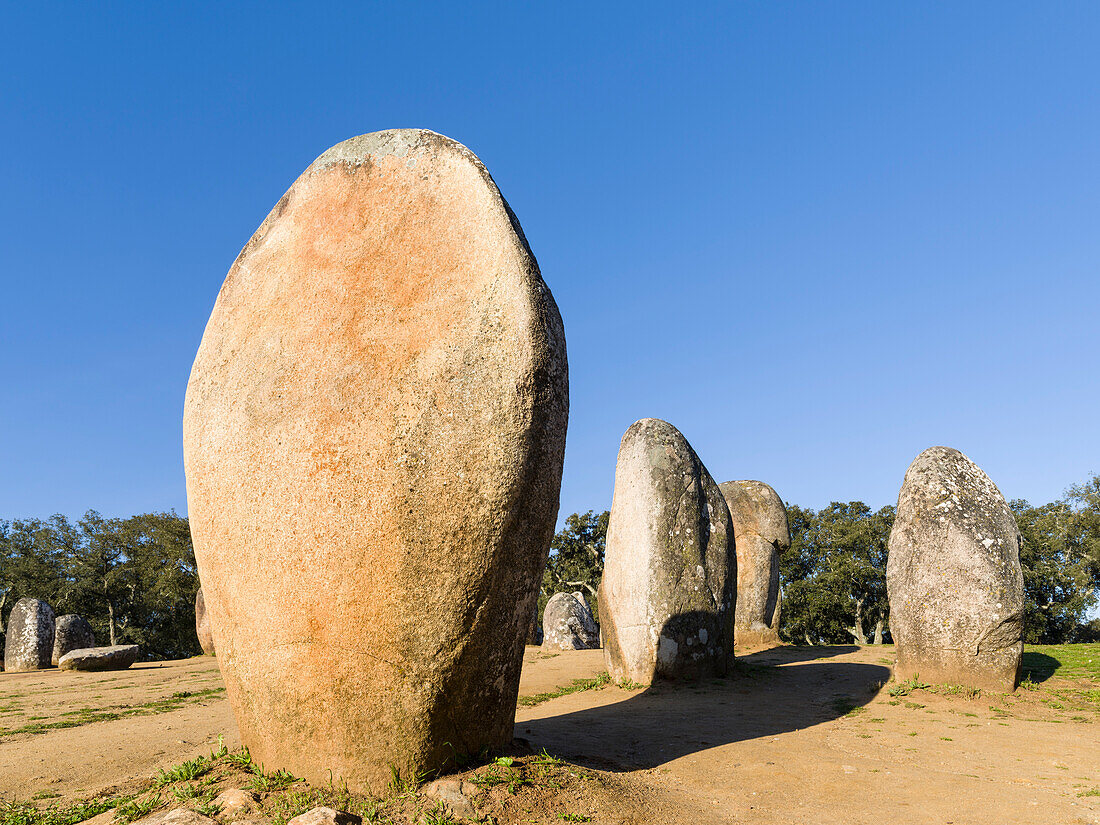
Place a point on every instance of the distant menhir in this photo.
(760, 534)
(28, 642)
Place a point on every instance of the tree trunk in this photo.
(857, 629)
(806, 636)
(111, 622)
(878, 629)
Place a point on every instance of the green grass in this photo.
(1079, 661)
(133, 809)
(965, 691)
(209, 809)
(192, 790)
(439, 815)
(262, 782)
(576, 686)
(86, 716)
(281, 797)
(512, 778)
(847, 706)
(292, 803)
(26, 813)
(907, 687)
(184, 772)
(1077, 671)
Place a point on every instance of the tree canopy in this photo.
(133, 579)
(834, 574)
(576, 559)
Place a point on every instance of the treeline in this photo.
(833, 577)
(133, 579)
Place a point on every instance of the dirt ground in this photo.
(796, 735)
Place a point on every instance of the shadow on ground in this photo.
(790, 654)
(770, 693)
(1038, 666)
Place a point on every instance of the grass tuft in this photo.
(576, 686)
(907, 687)
(133, 809)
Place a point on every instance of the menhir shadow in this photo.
(1038, 667)
(785, 654)
(674, 719)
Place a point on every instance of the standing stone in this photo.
(202, 625)
(568, 624)
(670, 571)
(760, 533)
(375, 424)
(71, 632)
(953, 576)
(28, 643)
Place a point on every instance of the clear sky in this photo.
(816, 237)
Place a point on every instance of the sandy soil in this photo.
(779, 745)
(798, 735)
(90, 758)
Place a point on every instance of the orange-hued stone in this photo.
(373, 438)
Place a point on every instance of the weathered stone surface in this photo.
(178, 816)
(568, 624)
(105, 818)
(325, 816)
(670, 571)
(953, 576)
(28, 642)
(202, 625)
(234, 802)
(455, 794)
(71, 632)
(375, 424)
(760, 534)
(114, 657)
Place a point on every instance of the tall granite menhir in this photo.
(667, 596)
(28, 642)
(953, 576)
(760, 533)
(374, 431)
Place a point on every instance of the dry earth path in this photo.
(809, 735)
(798, 735)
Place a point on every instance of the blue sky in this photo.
(817, 238)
